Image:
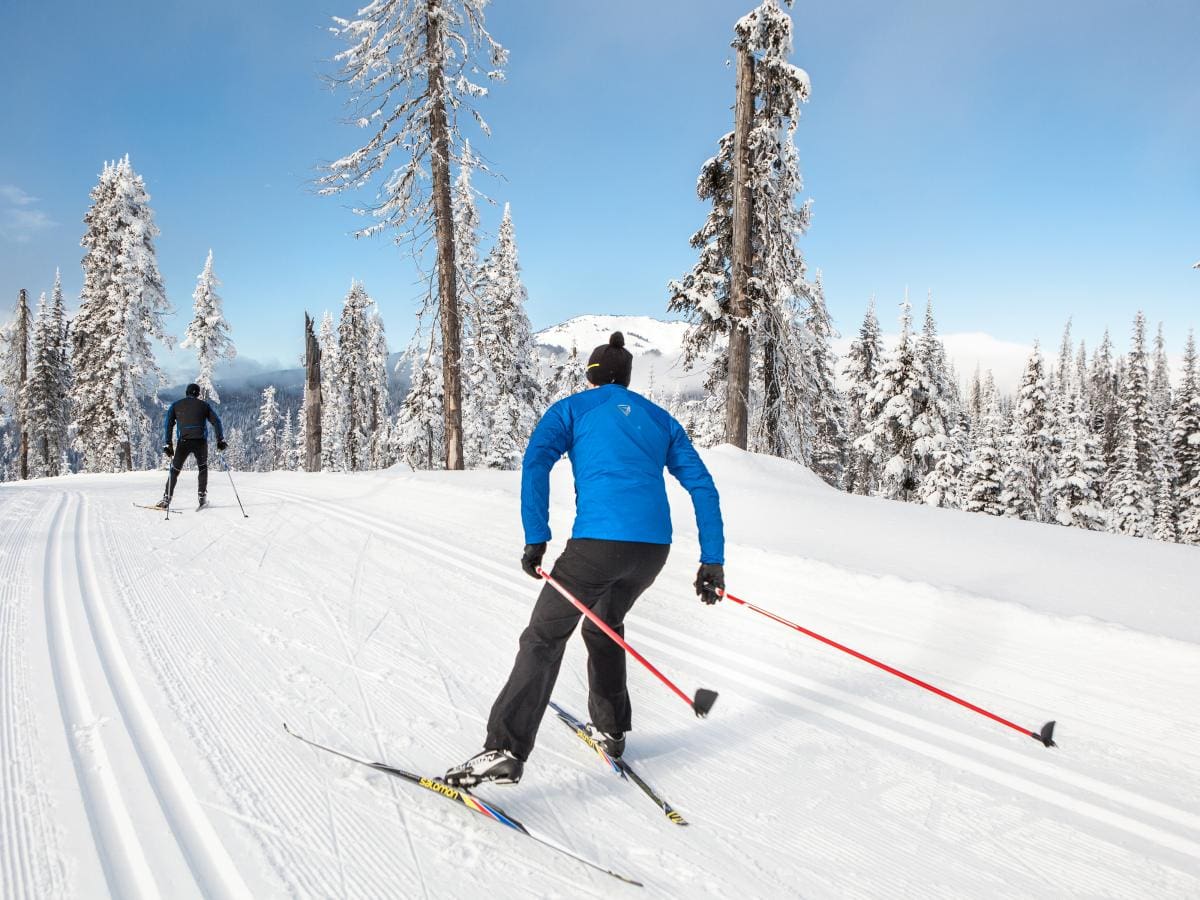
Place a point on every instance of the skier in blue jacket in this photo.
(619, 443)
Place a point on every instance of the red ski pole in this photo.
(704, 699)
(1045, 736)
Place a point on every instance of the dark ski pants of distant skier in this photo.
(184, 449)
(607, 577)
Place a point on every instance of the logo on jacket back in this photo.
(624, 407)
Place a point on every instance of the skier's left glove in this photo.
(710, 582)
(532, 558)
(168, 450)
(221, 445)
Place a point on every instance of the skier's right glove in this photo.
(709, 581)
(168, 450)
(221, 445)
(532, 558)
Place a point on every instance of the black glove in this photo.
(168, 450)
(532, 558)
(221, 445)
(709, 580)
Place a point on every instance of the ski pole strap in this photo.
(1045, 736)
(704, 698)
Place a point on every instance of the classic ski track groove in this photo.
(232, 750)
(31, 864)
(211, 865)
(118, 848)
(1154, 833)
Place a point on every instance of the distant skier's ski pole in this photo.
(1045, 736)
(704, 699)
(225, 463)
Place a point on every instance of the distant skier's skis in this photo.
(618, 765)
(467, 799)
(178, 512)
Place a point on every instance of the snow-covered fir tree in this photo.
(1102, 399)
(122, 309)
(379, 446)
(828, 450)
(1074, 489)
(414, 71)
(15, 354)
(356, 380)
(1027, 456)
(779, 298)
(268, 429)
(47, 391)
(898, 398)
(982, 485)
(1185, 444)
(332, 406)
(418, 434)
(1132, 488)
(466, 243)
(509, 379)
(862, 364)
(208, 331)
(287, 443)
(566, 378)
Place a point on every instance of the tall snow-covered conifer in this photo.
(208, 331)
(516, 394)
(47, 390)
(862, 364)
(982, 478)
(268, 429)
(1133, 487)
(418, 434)
(333, 407)
(896, 400)
(122, 308)
(1185, 442)
(413, 70)
(1026, 462)
(777, 298)
(356, 379)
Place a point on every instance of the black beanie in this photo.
(193, 390)
(611, 363)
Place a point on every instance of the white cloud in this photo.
(20, 219)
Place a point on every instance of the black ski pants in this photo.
(185, 448)
(608, 577)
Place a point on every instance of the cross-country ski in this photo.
(467, 799)
(742, 450)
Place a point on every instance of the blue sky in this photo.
(1027, 162)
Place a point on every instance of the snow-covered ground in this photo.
(146, 668)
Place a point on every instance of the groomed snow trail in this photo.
(147, 667)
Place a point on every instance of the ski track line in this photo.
(213, 868)
(169, 637)
(1154, 834)
(126, 868)
(373, 723)
(501, 575)
(31, 862)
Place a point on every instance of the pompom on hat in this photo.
(611, 363)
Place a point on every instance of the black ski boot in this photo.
(163, 503)
(612, 744)
(496, 766)
(203, 502)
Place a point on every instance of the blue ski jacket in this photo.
(619, 443)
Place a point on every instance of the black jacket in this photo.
(191, 416)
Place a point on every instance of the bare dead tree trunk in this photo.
(21, 334)
(444, 228)
(736, 413)
(312, 398)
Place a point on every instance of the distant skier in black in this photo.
(189, 417)
(619, 444)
